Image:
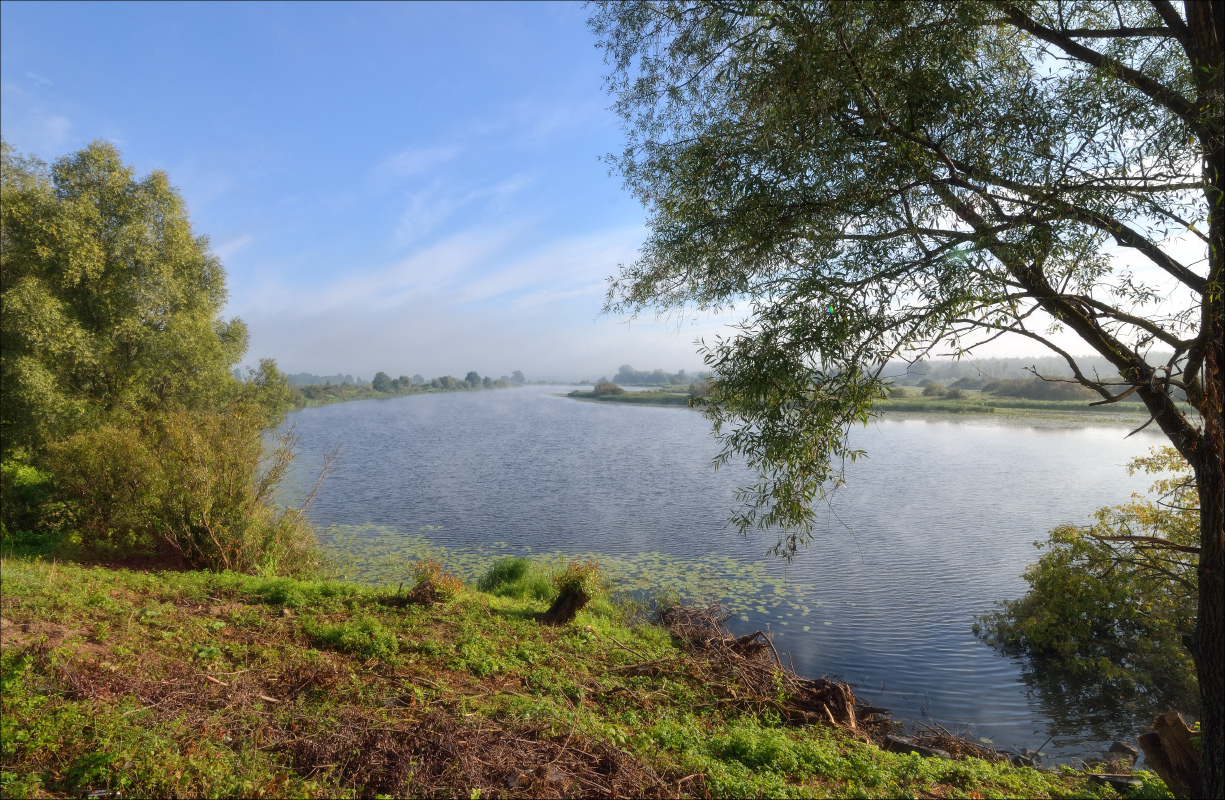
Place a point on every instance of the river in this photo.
(933, 527)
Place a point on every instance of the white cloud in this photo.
(472, 301)
(415, 160)
(232, 246)
(427, 209)
(31, 125)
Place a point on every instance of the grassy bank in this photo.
(197, 684)
(643, 398)
(967, 403)
(311, 396)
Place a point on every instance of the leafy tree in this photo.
(418, 380)
(1114, 601)
(381, 382)
(517, 379)
(111, 303)
(1038, 390)
(474, 379)
(873, 180)
(487, 382)
(606, 387)
(116, 375)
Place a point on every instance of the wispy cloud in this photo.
(416, 160)
(472, 300)
(30, 124)
(427, 209)
(231, 246)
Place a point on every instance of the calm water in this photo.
(935, 526)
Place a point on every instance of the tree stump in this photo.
(564, 608)
(1169, 752)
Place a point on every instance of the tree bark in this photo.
(1205, 45)
(565, 608)
(1169, 752)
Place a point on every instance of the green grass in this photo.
(198, 684)
(657, 398)
(980, 403)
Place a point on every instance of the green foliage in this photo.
(381, 382)
(65, 731)
(1116, 611)
(635, 377)
(606, 387)
(864, 181)
(518, 578)
(196, 483)
(1036, 389)
(579, 576)
(361, 635)
(504, 571)
(111, 303)
(27, 503)
(116, 376)
(934, 390)
(447, 585)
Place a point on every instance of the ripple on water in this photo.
(933, 527)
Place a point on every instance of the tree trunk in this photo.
(1168, 751)
(1205, 43)
(564, 608)
(1209, 642)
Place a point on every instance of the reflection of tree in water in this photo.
(1087, 709)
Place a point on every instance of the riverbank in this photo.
(969, 402)
(198, 684)
(313, 396)
(656, 398)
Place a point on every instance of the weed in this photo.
(579, 576)
(446, 585)
(363, 636)
(518, 578)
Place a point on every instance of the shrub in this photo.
(1038, 389)
(446, 585)
(515, 577)
(27, 500)
(955, 394)
(504, 571)
(606, 387)
(578, 576)
(934, 390)
(197, 483)
(1111, 611)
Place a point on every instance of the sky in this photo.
(406, 187)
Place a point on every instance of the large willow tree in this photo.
(111, 302)
(871, 180)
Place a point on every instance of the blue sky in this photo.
(406, 187)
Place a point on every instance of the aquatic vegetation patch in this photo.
(381, 556)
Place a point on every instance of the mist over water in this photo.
(933, 528)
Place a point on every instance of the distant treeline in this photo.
(307, 379)
(628, 376)
(1032, 389)
(946, 372)
(383, 385)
